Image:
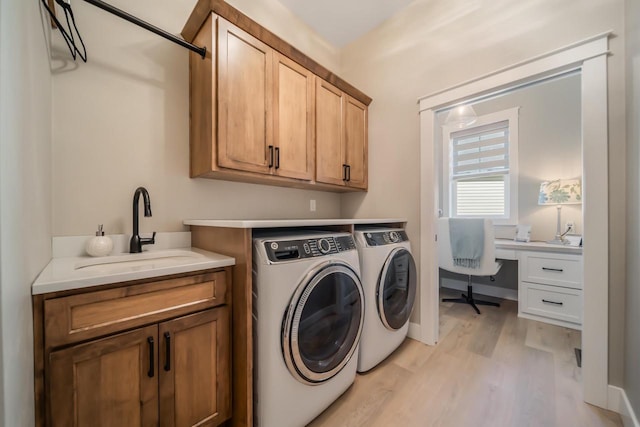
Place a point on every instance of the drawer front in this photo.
(506, 254)
(80, 317)
(553, 302)
(552, 269)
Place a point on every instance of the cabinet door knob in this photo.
(167, 356)
(559, 270)
(552, 302)
(277, 157)
(344, 172)
(151, 372)
(348, 173)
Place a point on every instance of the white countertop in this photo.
(280, 223)
(77, 272)
(537, 246)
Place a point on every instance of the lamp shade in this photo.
(461, 116)
(560, 192)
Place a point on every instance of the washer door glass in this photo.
(322, 326)
(396, 291)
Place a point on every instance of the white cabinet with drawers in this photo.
(550, 288)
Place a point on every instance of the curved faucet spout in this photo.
(136, 242)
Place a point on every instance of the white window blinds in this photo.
(482, 150)
(480, 196)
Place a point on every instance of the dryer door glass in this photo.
(396, 291)
(323, 323)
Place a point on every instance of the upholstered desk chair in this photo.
(487, 266)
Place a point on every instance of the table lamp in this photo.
(560, 192)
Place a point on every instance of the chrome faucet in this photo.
(136, 242)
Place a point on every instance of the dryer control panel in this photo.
(286, 250)
(387, 237)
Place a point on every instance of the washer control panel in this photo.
(387, 237)
(286, 250)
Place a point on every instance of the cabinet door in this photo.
(329, 134)
(293, 119)
(106, 382)
(245, 74)
(356, 143)
(194, 367)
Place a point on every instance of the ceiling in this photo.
(342, 21)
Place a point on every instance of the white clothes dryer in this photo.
(308, 307)
(389, 279)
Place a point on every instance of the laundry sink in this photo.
(140, 261)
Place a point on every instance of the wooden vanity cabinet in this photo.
(254, 114)
(173, 369)
(106, 382)
(341, 138)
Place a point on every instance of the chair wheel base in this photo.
(471, 301)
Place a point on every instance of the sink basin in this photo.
(141, 261)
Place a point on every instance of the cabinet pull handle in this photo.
(559, 270)
(277, 157)
(151, 361)
(167, 356)
(552, 302)
(270, 156)
(344, 172)
(348, 173)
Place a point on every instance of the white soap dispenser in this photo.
(100, 245)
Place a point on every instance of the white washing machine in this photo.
(308, 316)
(389, 280)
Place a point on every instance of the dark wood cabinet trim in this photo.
(204, 8)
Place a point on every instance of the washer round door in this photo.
(396, 291)
(322, 325)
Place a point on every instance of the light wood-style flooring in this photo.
(491, 370)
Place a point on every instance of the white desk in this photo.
(549, 281)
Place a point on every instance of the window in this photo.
(480, 168)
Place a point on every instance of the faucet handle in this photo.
(148, 241)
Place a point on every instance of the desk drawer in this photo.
(506, 254)
(552, 302)
(552, 269)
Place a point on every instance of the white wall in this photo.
(435, 44)
(632, 335)
(121, 121)
(25, 203)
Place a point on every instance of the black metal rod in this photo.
(202, 51)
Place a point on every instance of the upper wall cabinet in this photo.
(293, 119)
(341, 138)
(245, 100)
(262, 112)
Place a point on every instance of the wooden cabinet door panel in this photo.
(106, 382)
(245, 74)
(80, 317)
(194, 369)
(329, 133)
(356, 142)
(293, 119)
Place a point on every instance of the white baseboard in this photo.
(618, 401)
(492, 291)
(415, 331)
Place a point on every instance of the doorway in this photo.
(588, 57)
